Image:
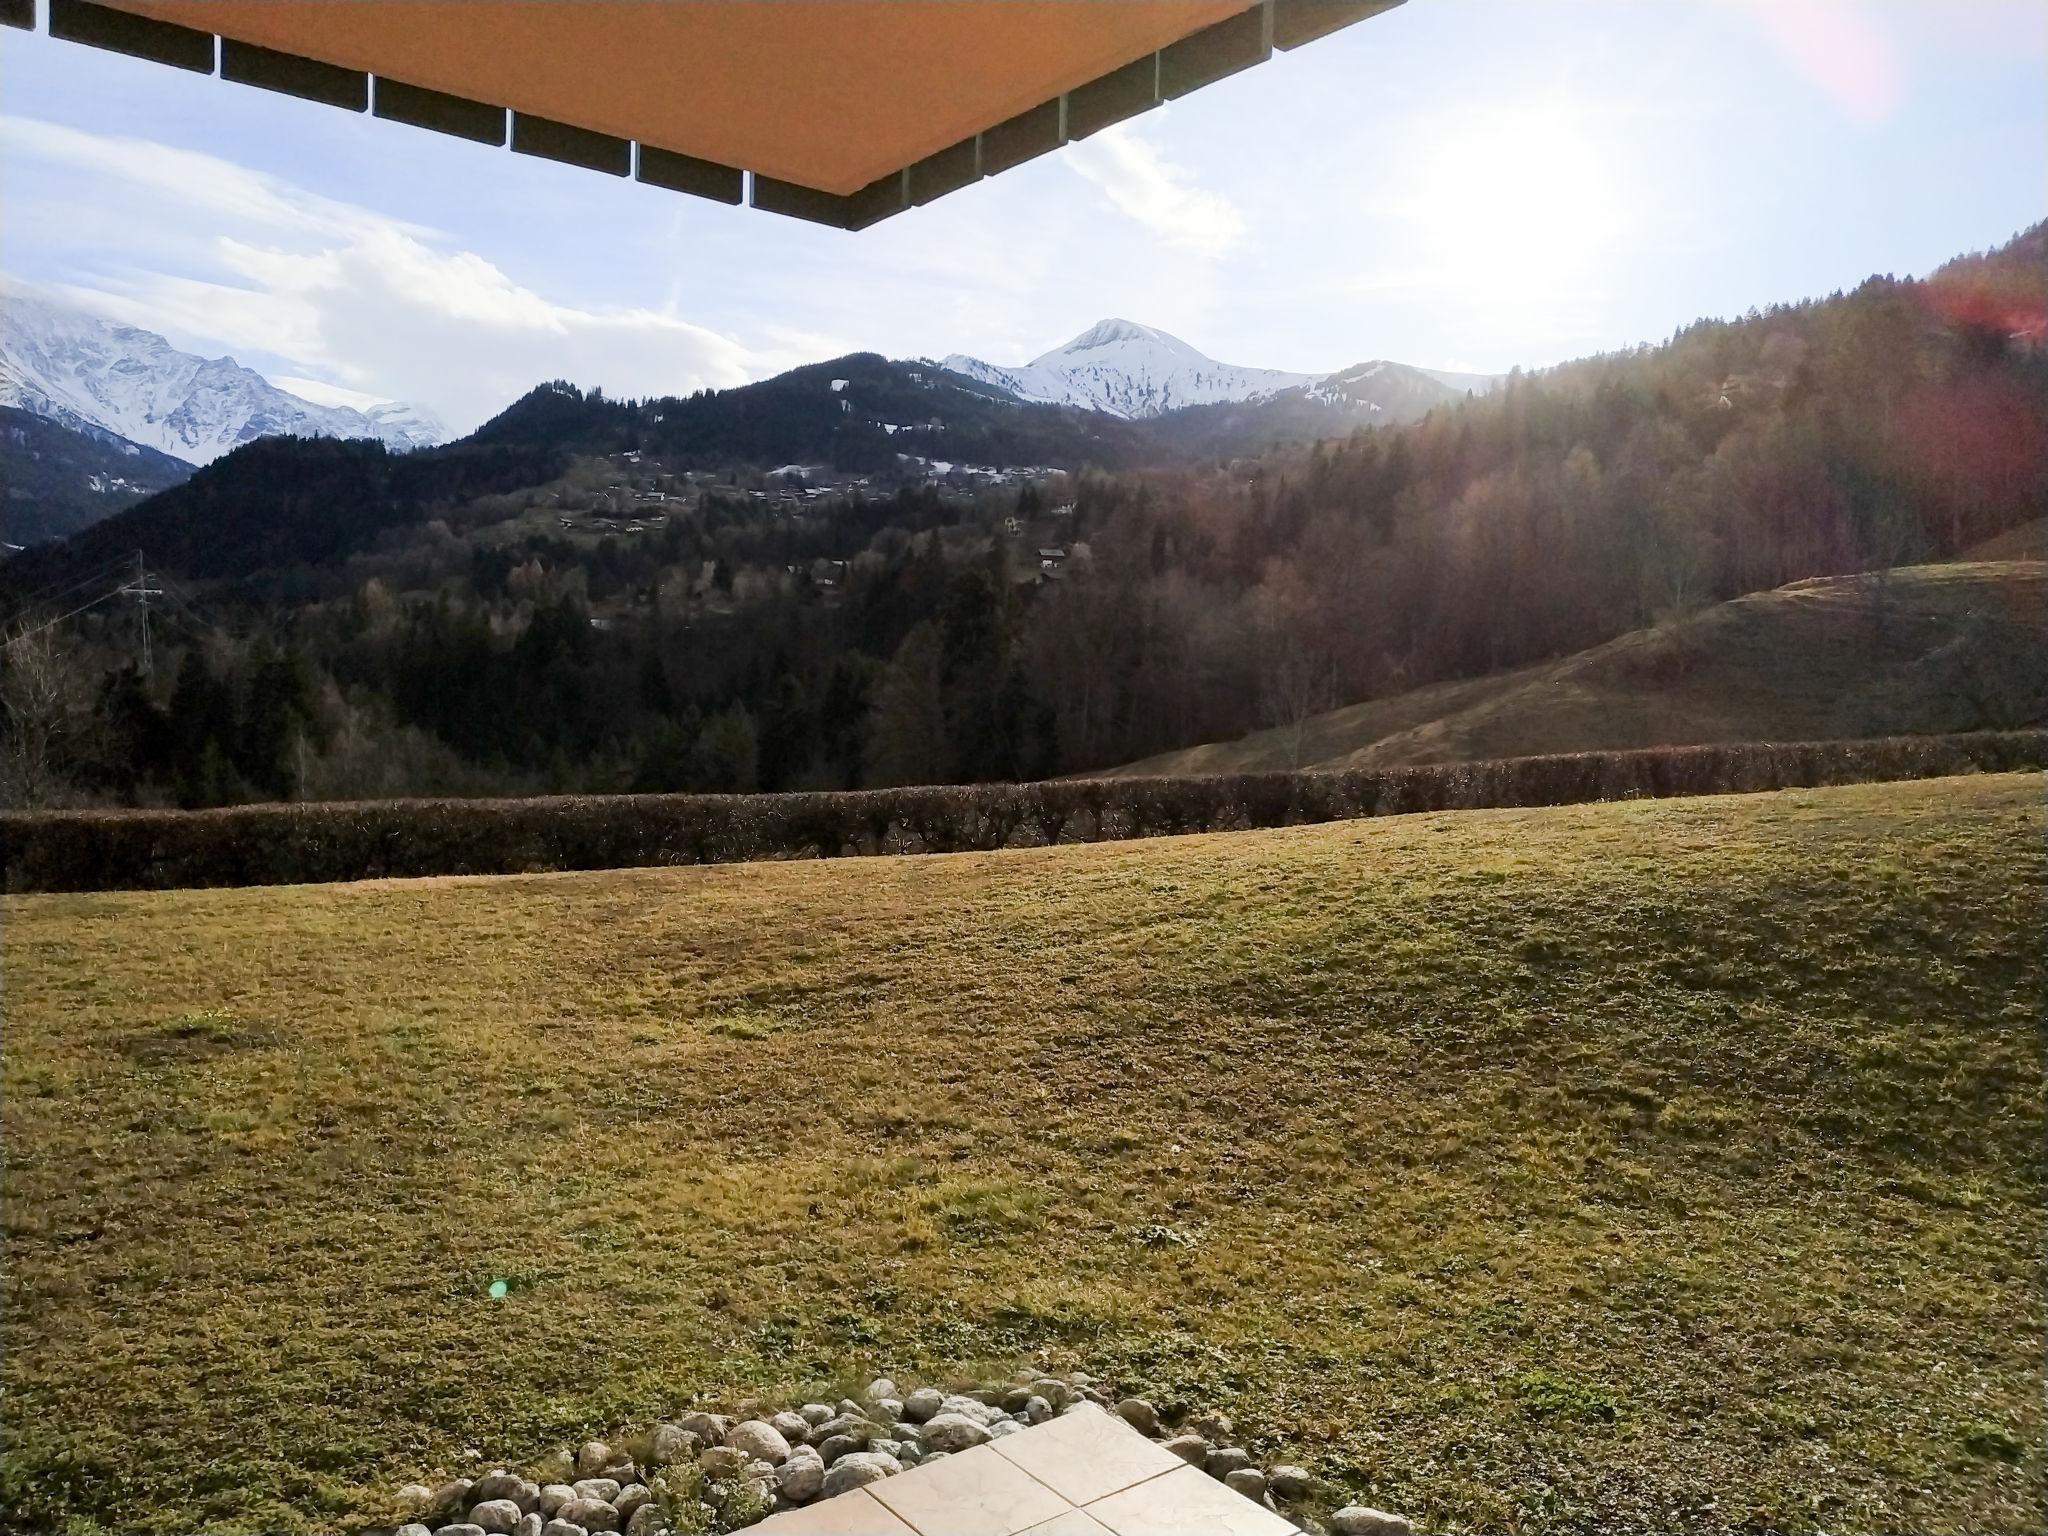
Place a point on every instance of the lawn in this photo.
(1655, 1166)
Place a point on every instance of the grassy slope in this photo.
(1806, 662)
(1665, 1165)
(2029, 541)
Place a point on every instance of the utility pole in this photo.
(142, 609)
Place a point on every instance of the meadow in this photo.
(1660, 1165)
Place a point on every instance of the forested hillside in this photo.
(600, 595)
(55, 480)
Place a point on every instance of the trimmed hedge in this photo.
(290, 844)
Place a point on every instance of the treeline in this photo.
(284, 502)
(440, 645)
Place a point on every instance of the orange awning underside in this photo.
(830, 95)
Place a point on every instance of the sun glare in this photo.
(1514, 204)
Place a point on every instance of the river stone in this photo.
(832, 1447)
(1357, 1520)
(760, 1441)
(708, 1427)
(591, 1514)
(1290, 1482)
(1192, 1449)
(1015, 1399)
(1003, 1427)
(1053, 1390)
(857, 1425)
(952, 1432)
(1226, 1459)
(1037, 1409)
(553, 1497)
(671, 1443)
(593, 1458)
(415, 1496)
(815, 1413)
(647, 1520)
(890, 1408)
(801, 1478)
(605, 1488)
(880, 1388)
(722, 1461)
(562, 1528)
(630, 1498)
(497, 1516)
(502, 1485)
(790, 1426)
(1249, 1481)
(1139, 1414)
(462, 1528)
(848, 1405)
(858, 1470)
(923, 1403)
(530, 1524)
(973, 1407)
(413, 1528)
(449, 1500)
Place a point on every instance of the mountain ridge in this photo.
(83, 371)
(1140, 373)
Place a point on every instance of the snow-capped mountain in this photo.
(1135, 371)
(1128, 370)
(1396, 390)
(83, 371)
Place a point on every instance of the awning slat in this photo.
(455, 115)
(571, 145)
(141, 37)
(309, 79)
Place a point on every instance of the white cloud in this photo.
(1144, 185)
(226, 257)
(320, 392)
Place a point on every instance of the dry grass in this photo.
(1654, 1166)
(1958, 647)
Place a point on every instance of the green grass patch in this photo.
(1670, 1165)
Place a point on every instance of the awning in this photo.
(838, 111)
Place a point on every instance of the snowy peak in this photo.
(1129, 370)
(1135, 371)
(1109, 333)
(86, 372)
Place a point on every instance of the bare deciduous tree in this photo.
(39, 710)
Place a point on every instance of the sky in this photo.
(1458, 184)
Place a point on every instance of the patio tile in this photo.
(856, 1513)
(1186, 1503)
(971, 1493)
(1075, 1522)
(1087, 1454)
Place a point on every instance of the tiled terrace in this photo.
(1085, 1473)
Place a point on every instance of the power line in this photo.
(57, 590)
